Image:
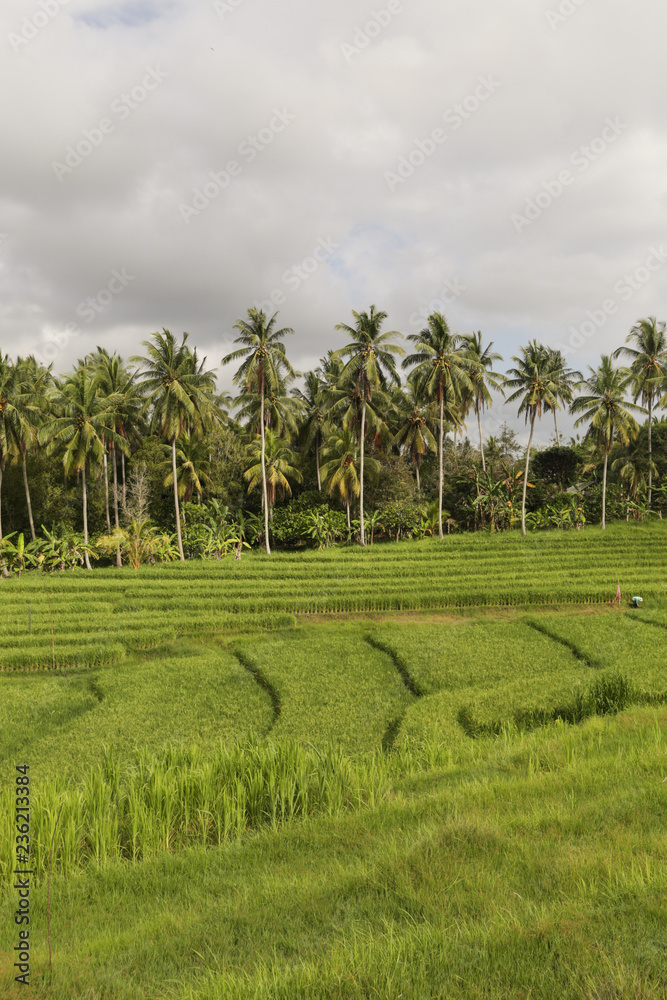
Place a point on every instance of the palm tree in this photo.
(370, 367)
(265, 361)
(414, 433)
(29, 400)
(313, 425)
(115, 380)
(272, 465)
(535, 382)
(82, 423)
(565, 380)
(281, 411)
(181, 394)
(482, 377)
(192, 466)
(339, 470)
(604, 408)
(649, 369)
(444, 371)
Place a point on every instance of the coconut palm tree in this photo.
(535, 383)
(265, 362)
(81, 426)
(370, 367)
(314, 409)
(340, 467)
(482, 377)
(414, 433)
(29, 400)
(444, 371)
(271, 464)
(115, 380)
(192, 466)
(649, 369)
(565, 380)
(180, 392)
(281, 410)
(604, 408)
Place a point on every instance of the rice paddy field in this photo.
(421, 770)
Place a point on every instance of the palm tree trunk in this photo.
(122, 469)
(176, 503)
(119, 561)
(650, 452)
(106, 491)
(441, 477)
(481, 439)
(525, 479)
(556, 426)
(265, 498)
(349, 523)
(27, 495)
(361, 470)
(85, 517)
(317, 462)
(604, 489)
(417, 473)
(1, 471)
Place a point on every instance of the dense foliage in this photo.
(110, 461)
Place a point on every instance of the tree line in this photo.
(343, 417)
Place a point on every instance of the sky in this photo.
(170, 164)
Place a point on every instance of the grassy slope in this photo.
(538, 869)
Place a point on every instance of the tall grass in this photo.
(169, 800)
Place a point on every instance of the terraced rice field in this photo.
(99, 617)
(404, 798)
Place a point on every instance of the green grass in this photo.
(191, 693)
(537, 868)
(333, 688)
(299, 808)
(129, 610)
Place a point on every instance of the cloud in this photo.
(227, 68)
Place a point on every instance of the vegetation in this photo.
(349, 437)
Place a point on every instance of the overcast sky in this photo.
(169, 164)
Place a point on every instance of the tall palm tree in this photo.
(370, 367)
(482, 377)
(192, 467)
(181, 394)
(649, 369)
(444, 370)
(535, 383)
(340, 467)
(282, 411)
(565, 380)
(604, 407)
(414, 433)
(29, 400)
(81, 425)
(115, 380)
(265, 361)
(313, 424)
(272, 464)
